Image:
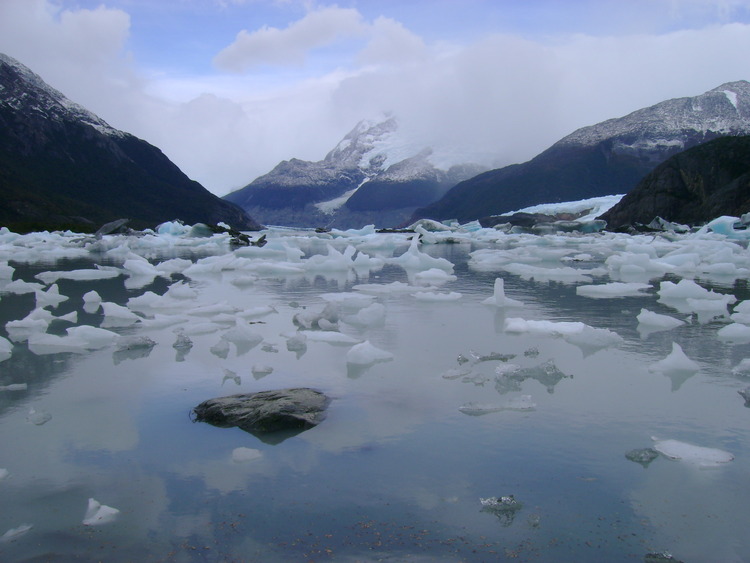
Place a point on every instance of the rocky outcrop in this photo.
(692, 187)
(282, 412)
(61, 166)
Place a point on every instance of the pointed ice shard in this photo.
(98, 514)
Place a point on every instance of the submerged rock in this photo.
(288, 411)
(644, 456)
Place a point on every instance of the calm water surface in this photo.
(396, 470)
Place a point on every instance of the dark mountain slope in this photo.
(692, 187)
(63, 167)
(604, 159)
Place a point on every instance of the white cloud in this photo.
(289, 46)
(498, 97)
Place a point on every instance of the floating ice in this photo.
(220, 349)
(50, 298)
(116, 315)
(413, 259)
(93, 337)
(181, 290)
(614, 289)
(435, 296)
(242, 336)
(346, 300)
(6, 349)
(77, 275)
(655, 321)
(257, 312)
(685, 289)
(735, 332)
(3, 473)
(91, 301)
(433, 276)
(330, 336)
(43, 343)
(98, 514)
(394, 288)
(244, 455)
(15, 533)
(6, 271)
(689, 453)
(14, 387)
(182, 342)
(372, 315)
(499, 299)
(521, 403)
(20, 287)
(126, 343)
(259, 371)
(365, 354)
(38, 417)
(743, 368)
(676, 361)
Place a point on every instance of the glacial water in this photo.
(397, 469)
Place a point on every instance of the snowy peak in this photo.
(724, 110)
(24, 91)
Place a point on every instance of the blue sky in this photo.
(228, 88)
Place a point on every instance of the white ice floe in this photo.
(689, 453)
(93, 337)
(77, 275)
(117, 316)
(21, 287)
(330, 336)
(244, 455)
(365, 354)
(98, 514)
(656, 321)
(15, 533)
(261, 370)
(370, 316)
(735, 332)
(435, 296)
(91, 301)
(6, 349)
(415, 260)
(434, 277)
(612, 290)
(676, 361)
(50, 298)
(499, 299)
(38, 417)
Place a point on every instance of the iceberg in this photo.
(656, 321)
(15, 533)
(612, 290)
(366, 354)
(689, 453)
(98, 514)
(676, 361)
(499, 299)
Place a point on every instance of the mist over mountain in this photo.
(61, 166)
(372, 175)
(608, 158)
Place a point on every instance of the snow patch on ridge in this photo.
(732, 97)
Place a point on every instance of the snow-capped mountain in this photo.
(63, 166)
(603, 159)
(373, 175)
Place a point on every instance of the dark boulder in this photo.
(284, 411)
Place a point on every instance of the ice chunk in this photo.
(655, 321)
(644, 456)
(521, 403)
(331, 337)
(685, 289)
(689, 453)
(78, 275)
(91, 301)
(98, 514)
(373, 315)
(257, 312)
(676, 361)
(14, 387)
(259, 371)
(182, 342)
(93, 337)
(220, 349)
(6, 271)
(244, 455)
(735, 332)
(346, 300)
(20, 287)
(479, 409)
(116, 315)
(38, 417)
(231, 375)
(15, 533)
(6, 349)
(242, 335)
(499, 299)
(3, 473)
(504, 507)
(413, 259)
(592, 339)
(50, 298)
(43, 343)
(126, 343)
(366, 354)
(433, 276)
(436, 296)
(181, 290)
(614, 289)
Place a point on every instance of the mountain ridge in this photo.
(62, 166)
(601, 159)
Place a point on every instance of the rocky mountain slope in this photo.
(371, 176)
(691, 188)
(603, 159)
(61, 166)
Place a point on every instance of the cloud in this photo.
(289, 46)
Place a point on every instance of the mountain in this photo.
(61, 166)
(372, 176)
(603, 159)
(691, 188)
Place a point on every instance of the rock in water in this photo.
(265, 412)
